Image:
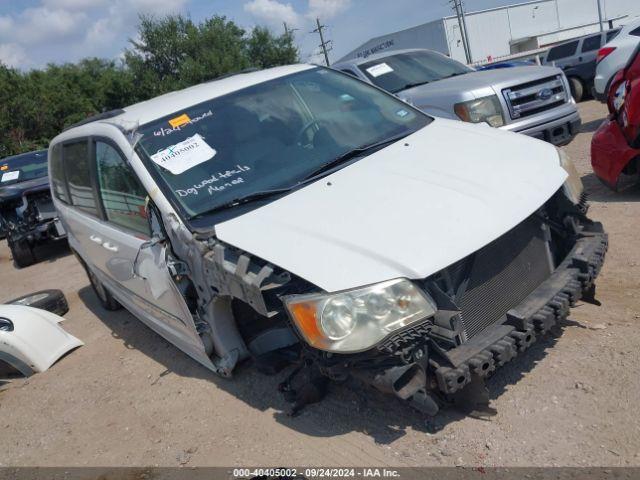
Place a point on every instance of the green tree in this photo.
(169, 53)
(173, 52)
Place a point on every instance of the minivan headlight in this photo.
(486, 109)
(356, 320)
(573, 187)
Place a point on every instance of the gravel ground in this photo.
(129, 398)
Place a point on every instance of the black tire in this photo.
(106, 299)
(52, 301)
(22, 253)
(577, 88)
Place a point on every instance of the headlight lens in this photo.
(356, 320)
(573, 187)
(486, 109)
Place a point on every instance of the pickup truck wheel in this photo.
(22, 253)
(52, 301)
(106, 299)
(577, 88)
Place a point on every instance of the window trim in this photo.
(109, 141)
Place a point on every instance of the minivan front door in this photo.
(134, 269)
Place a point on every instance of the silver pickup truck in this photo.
(532, 100)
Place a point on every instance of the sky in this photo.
(36, 32)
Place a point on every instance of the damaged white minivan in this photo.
(299, 213)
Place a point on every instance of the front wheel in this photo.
(106, 299)
(22, 253)
(577, 88)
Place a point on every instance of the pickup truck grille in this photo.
(502, 274)
(534, 97)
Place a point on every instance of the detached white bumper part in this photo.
(31, 339)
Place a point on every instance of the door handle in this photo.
(111, 248)
(95, 239)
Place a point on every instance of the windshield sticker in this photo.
(380, 69)
(162, 132)
(402, 113)
(179, 121)
(217, 182)
(182, 156)
(8, 176)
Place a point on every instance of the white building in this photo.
(503, 31)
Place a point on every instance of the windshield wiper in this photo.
(246, 199)
(356, 152)
(411, 85)
(308, 179)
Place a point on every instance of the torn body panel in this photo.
(221, 274)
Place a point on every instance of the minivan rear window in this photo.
(562, 51)
(77, 168)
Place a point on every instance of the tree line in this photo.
(169, 53)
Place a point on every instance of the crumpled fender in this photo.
(36, 342)
(610, 152)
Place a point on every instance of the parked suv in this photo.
(614, 56)
(27, 214)
(300, 213)
(532, 100)
(577, 58)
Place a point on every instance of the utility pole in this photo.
(325, 46)
(463, 33)
(600, 15)
(466, 32)
(288, 31)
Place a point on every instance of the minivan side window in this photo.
(76, 165)
(122, 194)
(592, 43)
(562, 51)
(58, 181)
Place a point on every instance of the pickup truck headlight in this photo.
(356, 320)
(486, 109)
(573, 187)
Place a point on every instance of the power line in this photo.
(324, 45)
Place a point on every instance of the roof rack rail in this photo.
(95, 118)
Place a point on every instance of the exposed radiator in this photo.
(503, 274)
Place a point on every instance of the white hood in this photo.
(404, 211)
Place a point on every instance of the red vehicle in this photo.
(615, 148)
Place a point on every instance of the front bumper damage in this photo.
(415, 364)
(549, 304)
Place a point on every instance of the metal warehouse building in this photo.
(508, 30)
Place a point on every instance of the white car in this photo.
(614, 56)
(300, 211)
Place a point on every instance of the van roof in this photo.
(158, 107)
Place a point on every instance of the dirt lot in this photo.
(129, 398)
